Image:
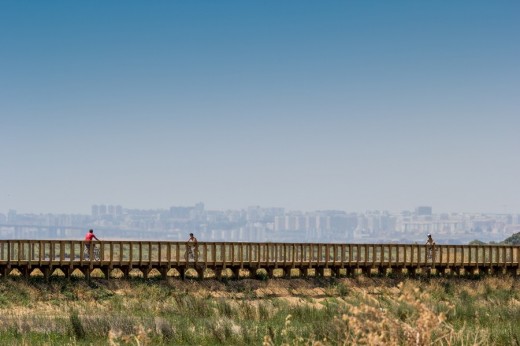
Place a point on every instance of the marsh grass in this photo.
(350, 311)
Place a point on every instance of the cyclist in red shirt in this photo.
(88, 240)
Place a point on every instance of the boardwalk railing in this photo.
(69, 255)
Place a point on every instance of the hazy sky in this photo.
(349, 105)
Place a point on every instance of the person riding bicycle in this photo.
(192, 247)
(431, 246)
(88, 240)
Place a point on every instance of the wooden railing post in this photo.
(52, 254)
(8, 253)
(232, 253)
(18, 252)
(223, 252)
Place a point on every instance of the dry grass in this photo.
(347, 311)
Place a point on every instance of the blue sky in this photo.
(304, 105)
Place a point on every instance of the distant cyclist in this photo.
(192, 247)
(431, 246)
(88, 240)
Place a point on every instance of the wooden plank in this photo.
(52, 251)
(205, 251)
(140, 247)
(120, 253)
(72, 252)
(234, 254)
(311, 255)
(223, 251)
(293, 254)
(169, 254)
(214, 256)
(111, 259)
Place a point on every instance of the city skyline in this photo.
(308, 106)
(88, 210)
(271, 224)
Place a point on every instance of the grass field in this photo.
(313, 311)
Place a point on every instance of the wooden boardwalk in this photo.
(215, 259)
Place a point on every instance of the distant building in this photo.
(12, 216)
(180, 212)
(95, 210)
(423, 211)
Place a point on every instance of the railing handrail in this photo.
(254, 243)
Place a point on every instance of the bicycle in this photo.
(431, 252)
(191, 254)
(95, 253)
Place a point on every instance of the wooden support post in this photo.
(427, 271)
(126, 272)
(218, 273)
(4, 271)
(320, 271)
(182, 272)
(25, 272)
(106, 272)
(381, 271)
(270, 272)
(236, 273)
(200, 272)
(350, 271)
(46, 273)
(164, 272)
(287, 272)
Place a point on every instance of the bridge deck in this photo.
(68, 255)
